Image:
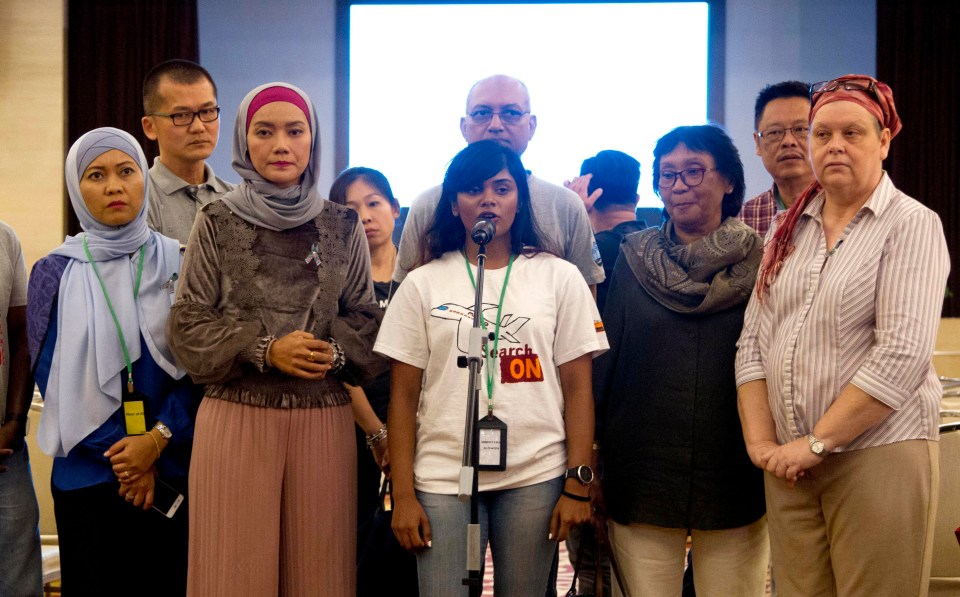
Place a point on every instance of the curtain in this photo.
(111, 45)
(918, 55)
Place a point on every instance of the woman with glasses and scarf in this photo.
(670, 442)
(838, 396)
(275, 312)
(118, 411)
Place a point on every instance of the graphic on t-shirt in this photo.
(517, 363)
(509, 324)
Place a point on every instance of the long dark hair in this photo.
(474, 165)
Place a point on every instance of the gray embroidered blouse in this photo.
(244, 285)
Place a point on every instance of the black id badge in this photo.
(493, 444)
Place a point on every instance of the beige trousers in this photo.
(272, 502)
(725, 563)
(858, 524)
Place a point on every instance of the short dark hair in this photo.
(712, 139)
(178, 71)
(782, 90)
(474, 165)
(375, 178)
(617, 173)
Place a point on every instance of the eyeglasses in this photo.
(507, 115)
(818, 89)
(775, 136)
(186, 118)
(691, 177)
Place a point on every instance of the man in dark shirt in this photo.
(608, 187)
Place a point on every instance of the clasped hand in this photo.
(301, 355)
(791, 461)
(131, 457)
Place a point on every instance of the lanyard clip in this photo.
(314, 254)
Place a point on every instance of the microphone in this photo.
(483, 232)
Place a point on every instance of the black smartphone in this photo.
(166, 499)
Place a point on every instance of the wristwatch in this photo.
(165, 432)
(816, 446)
(582, 473)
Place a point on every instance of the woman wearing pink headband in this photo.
(837, 393)
(275, 311)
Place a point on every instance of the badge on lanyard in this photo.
(492, 455)
(493, 444)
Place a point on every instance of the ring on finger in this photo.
(311, 356)
(126, 474)
(129, 497)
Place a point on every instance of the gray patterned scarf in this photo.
(709, 275)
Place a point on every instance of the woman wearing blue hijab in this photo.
(118, 413)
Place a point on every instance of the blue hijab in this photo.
(84, 387)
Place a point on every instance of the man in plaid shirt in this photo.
(781, 128)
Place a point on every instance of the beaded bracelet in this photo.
(376, 438)
(339, 359)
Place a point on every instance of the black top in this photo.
(608, 242)
(672, 445)
(378, 390)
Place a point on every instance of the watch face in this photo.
(816, 446)
(586, 475)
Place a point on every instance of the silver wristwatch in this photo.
(816, 446)
(165, 432)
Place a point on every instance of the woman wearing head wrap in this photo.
(97, 315)
(274, 312)
(838, 396)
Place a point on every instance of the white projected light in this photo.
(601, 76)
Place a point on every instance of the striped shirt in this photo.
(867, 314)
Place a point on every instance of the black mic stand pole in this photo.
(471, 445)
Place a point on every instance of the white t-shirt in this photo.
(548, 318)
(13, 293)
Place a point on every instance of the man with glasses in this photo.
(781, 127)
(498, 108)
(181, 114)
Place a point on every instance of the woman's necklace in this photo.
(393, 265)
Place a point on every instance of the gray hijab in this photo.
(259, 201)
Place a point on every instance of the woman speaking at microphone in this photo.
(535, 394)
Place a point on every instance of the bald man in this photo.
(498, 108)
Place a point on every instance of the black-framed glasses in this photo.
(818, 89)
(507, 115)
(186, 118)
(775, 135)
(691, 177)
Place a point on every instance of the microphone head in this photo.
(483, 232)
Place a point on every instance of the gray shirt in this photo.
(13, 293)
(558, 212)
(172, 208)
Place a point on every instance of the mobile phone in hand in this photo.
(166, 499)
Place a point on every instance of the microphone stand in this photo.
(471, 446)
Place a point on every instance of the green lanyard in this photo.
(116, 322)
(496, 337)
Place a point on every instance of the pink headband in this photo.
(276, 94)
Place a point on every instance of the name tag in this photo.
(493, 444)
(134, 415)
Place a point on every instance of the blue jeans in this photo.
(20, 568)
(516, 523)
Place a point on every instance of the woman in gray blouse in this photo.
(275, 311)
